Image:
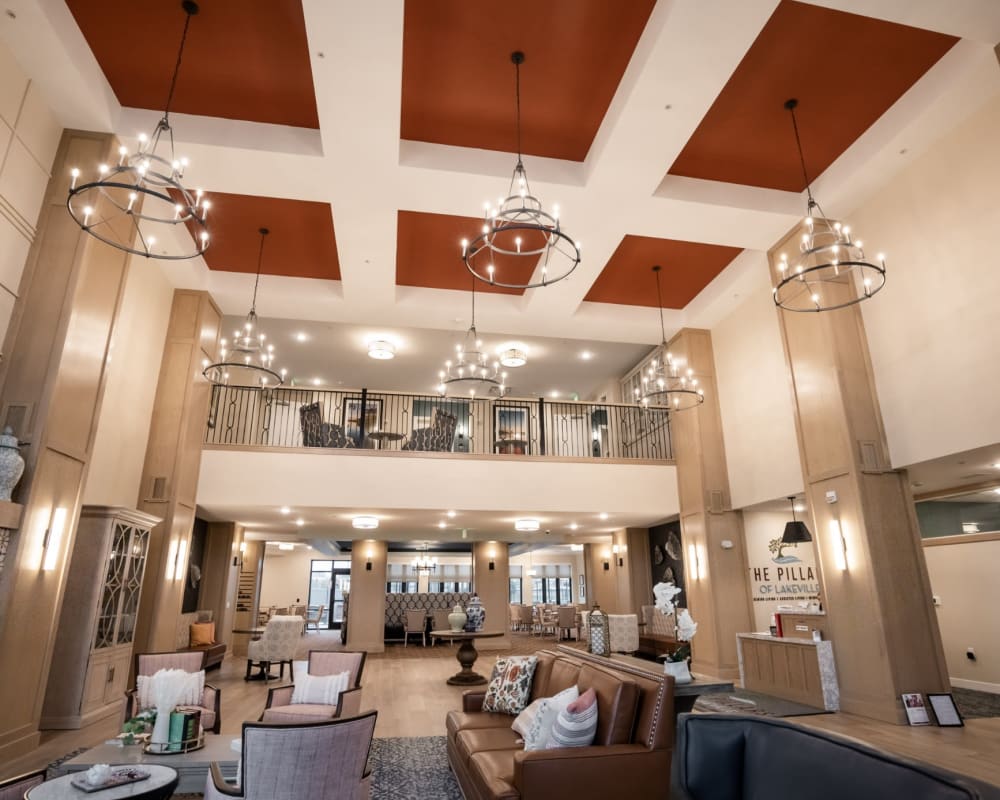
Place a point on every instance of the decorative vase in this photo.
(11, 463)
(679, 669)
(476, 614)
(457, 619)
(161, 728)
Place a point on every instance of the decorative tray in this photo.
(119, 777)
(174, 748)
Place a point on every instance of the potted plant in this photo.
(677, 663)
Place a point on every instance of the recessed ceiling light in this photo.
(553, 393)
(301, 337)
(997, 491)
(300, 522)
(316, 381)
(970, 527)
(442, 524)
(451, 514)
(586, 355)
(604, 515)
(576, 548)
(286, 546)
(285, 510)
(381, 350)
(997, 465)
(526, 525)
(573, 526)
(365, 522)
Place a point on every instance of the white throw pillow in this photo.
(523, 721)
(188, 686)
(548, 711)
(319, 689)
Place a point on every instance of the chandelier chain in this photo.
(659, 306)
(517, 102)
(790, 105)
(260, 260)
(177, 68)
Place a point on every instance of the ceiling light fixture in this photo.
(573, 526)
(603, 515)
(831, 270)
(513, 357)
(442, 524)
(666, 384)
(795, 531)
(424, 562)
(301, 337)
(518, 227)
(472, 367)
(381, 350)
(365, 522)
(526, 525)
(300, 522)
(285, 510)
(451, 514)
(137, 202)
(286, 546)
(586, 355)
(249, 361)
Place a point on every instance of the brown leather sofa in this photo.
(630, 755)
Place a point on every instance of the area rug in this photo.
(742, 701)
(976, 705)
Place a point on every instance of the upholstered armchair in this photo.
(623, 632)
(316, 433)
(280, 709)
(148, 664)
(319, 760)
(276, 646)
(438, 437)
(16, 788)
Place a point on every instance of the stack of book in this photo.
(185, 729)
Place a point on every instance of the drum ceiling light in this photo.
(132, 203)
(365, 522)
(513, 357)
(381, 350)
(526, 525)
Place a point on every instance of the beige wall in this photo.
(963, 576)
(758, 423)
(133, 369)
(286, 576)
(936, 221)
(29, 136)
(772, 584)
(366, 610)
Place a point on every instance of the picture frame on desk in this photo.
(916, 709)
(945, 711)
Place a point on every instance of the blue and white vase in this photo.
(11, 463)
(476, 614)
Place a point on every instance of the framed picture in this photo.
(945, 711)
(582, 596)
(916, 711)
(512, 429)
(352, 415)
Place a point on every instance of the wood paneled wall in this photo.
(366, 609)
(493, 588)
(871, 565)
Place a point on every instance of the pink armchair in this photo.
(150, 663)
(280, 709)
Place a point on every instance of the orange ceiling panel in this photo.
(301, 242)
(429, 254)
(242, 60)
(458, 80)
(845, 70)
(688, 267)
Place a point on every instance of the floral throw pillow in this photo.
(509, 688)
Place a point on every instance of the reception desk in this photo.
(796, 669)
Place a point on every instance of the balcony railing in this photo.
(390, 421)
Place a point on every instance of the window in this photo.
(464, 586)
(515, 590)
(565, 591)
(537, 590)
(411, 587)
(434, 586)
(394, 586)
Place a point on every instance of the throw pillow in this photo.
(510, 684)
(576, 725)
(541, 727)
(202, 634)
(524, 719)
(319, 689)
(186, 687)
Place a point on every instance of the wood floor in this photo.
(408, 688)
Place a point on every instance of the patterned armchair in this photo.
(623, 631)
(319, 760)
(190, 661)
(280, 709)
(276, 646)
(316, 433)
(16, 788)
(438, 437)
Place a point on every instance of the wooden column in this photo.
(219, 575)
(712, 534)
(493, 588)
(173, 460)
(51, 387)
(602, 587)
(366, 610)
(632, 571)
(874, 579)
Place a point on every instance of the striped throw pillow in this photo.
(576, 725)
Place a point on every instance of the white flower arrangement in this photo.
(684, 625)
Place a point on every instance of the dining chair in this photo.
(567, 620)
(415, 624)
(314, 617)
(276, 646)
(440, 622)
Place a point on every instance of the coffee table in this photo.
(158, 786)
(385, 436)
(191, 768)
(467, 654)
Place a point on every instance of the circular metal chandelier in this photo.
(472, 367)
(248, 362)
(665, 383)
(519, 227)
(130, 202)
(424, 563)
(831, 270)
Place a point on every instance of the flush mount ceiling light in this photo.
(795, 531)
(137, 202)
(830, 270)
(248, 362)
(526, 525)
(665, 383)
(365, 522)
(472, 368)
(286, 546)
(381, 350)
(518, 227)
(513, 357)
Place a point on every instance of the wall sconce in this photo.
(694, 563)
(238, 559)
(53, 539)
(607, 563)
(493, 556)
(617, 550)
(368, 563)
(839, 545)
(175, 559)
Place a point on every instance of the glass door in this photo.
(341, 583)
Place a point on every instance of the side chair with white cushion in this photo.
(309, 699)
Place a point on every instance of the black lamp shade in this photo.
(796, 532)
